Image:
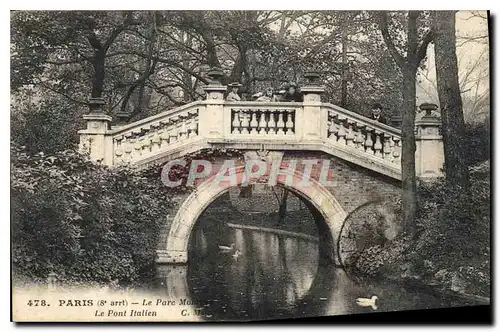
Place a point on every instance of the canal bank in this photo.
(397, 262)
(451, 250)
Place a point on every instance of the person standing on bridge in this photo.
(377, 113)
(292, 93)
(233, 94)
(268, 96)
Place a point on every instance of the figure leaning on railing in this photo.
(268, 96)
(377, 114)
(292, 93)
(233, 94)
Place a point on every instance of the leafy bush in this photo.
(478, 141)
(452, 245)
(85, 222)
(48, 125)
(455, 220)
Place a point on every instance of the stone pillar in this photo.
(94, 140)
(313, 123)
(212, 122)
(429, 155)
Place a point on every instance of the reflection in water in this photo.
(274, 277)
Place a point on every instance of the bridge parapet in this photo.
(309, 125)
(144, 138)
(349, 131)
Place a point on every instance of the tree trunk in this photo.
(408, 64)
(343, 93)
(186, 77)
(452, 116)
(99, 72)
(409, 182)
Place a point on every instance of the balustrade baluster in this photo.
(128, 149)
(341, 133)
(145, 144)
(387, 146)
(334, 128)
(280, 124)
(253, 123)
(396, 153)
(262, 123)
(138, 147)
(155, 141)
(369, 140)
(245, 122)
(272, 123)
(378, 144)
(360, 138)
(118, 147)
(350, 133)
(183, 128)
(289, 122)
(193, 127)
(163, 135)
(173, 133)
(236, 122)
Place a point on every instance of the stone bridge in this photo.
(365, 155)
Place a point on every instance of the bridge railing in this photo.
(309, 125)
(141, 139)
(166, 130)
(259, 120)
(352, 130)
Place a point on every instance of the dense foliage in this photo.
(451, 248)
(83, 221)
(143, 62)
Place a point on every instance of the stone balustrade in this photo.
(263, 119)
(141, 139)
(310, 125)
(349, 129)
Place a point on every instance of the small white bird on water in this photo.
(236, 254)
(364, 302)
(226, 248)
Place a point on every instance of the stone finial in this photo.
(312, 77)
(215, 74)
(430, 123)
(396, 121)
(215, 90)
(122, 118)
(96, 105)
(97, 121)
(428, 108)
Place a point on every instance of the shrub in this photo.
(48, 125)
(452, 241)
(85, 222)
(478, 141)
(455, 220)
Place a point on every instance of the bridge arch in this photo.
(319, 197)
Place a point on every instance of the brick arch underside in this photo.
(328, 213)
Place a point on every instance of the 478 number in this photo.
(37, 303)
